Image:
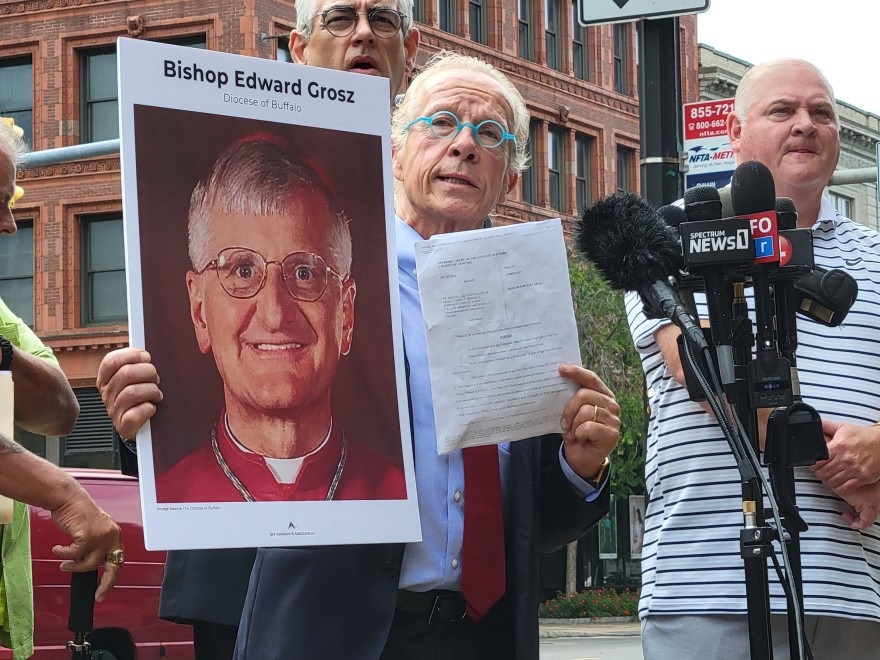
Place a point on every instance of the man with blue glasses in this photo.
(459, 139)
(444, 124)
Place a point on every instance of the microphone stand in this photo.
(768, 381)
(794, 438)
(755, 537)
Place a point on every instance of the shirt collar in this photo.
(828, 215)
(406, 247)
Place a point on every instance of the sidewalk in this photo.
(611, 627)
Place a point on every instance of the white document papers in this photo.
(499, 320)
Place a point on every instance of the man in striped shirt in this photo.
(693, 601)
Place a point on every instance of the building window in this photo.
(419, 11)
(579, 54)
(624, 169)
(621, 51)
(191, 41)
(282, 49)
(17, 271)
(551, 33)
(477, 20)
(103, 270)
(90, 444)
(17, 93)
(100, 99)
(526, 45)
(529, 175)
(555, 166)
(843, 204)
(446, 15)
(584, 151)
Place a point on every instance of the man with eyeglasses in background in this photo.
(331, 34)
(469, 589)
(206, 588)
(276, 337)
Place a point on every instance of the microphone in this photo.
(795, 245)
(789, 249)
(786, 213)
(753, 194)
(634, 250)
(706, 239)
(702, 205)
(672, 215)
(825, 296)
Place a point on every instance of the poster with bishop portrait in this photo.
(261, 274)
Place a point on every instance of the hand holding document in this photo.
(499, 320)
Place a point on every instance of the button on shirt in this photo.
(434, 562)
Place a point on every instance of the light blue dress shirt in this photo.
(435, 562)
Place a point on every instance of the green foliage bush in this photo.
(607, 349)
(591, 603)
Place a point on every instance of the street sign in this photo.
(591, 12)
(709, 158)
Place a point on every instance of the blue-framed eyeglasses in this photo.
(446, 125)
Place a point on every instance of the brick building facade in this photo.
(58, 79)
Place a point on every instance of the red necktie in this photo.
(482, 551)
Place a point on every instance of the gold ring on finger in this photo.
(117, 557)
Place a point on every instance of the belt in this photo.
(435, 606)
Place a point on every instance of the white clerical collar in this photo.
(285, 470)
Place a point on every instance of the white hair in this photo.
(260, 177)
(12, 142)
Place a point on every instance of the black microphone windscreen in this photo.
(786, 213)
(701, 194)
(627, 242)
(672, 215)
(702, 203)
(752, 189)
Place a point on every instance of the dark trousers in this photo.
(213, 641)
(412, 636)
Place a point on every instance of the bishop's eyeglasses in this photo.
(242, 273)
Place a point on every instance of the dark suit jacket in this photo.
(199, 585)
(336, 603)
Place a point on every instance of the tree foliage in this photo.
(607, 349)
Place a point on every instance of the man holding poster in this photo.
(459, 139)
(128, 378)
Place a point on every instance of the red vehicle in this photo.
(126, 624)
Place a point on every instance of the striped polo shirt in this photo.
(690, 557)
